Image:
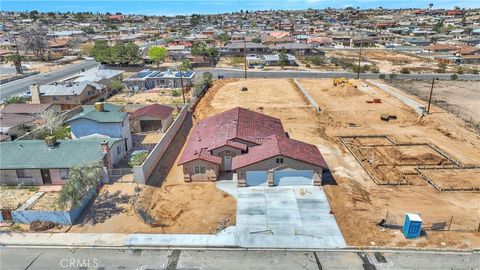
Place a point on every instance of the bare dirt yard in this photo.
(461, 98)
(12, 197)
(357, 202)
(389, 61)
(148, 97)
(178, 207)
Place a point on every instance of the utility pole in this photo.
(245, 56)
(359, 59)
(430, 98)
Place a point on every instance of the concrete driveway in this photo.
(284, 217)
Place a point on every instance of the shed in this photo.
(155, 117)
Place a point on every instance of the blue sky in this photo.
(173, 7)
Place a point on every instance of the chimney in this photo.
(35, 92)
(99, 106)
(106, 150)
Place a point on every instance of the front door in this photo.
(47, 180)
(228, 163)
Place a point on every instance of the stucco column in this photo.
(270, 178)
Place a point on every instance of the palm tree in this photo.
(16, 59)
(184, 67)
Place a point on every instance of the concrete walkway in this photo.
(419, 108)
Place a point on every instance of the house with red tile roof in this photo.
(255, 146)
(154, 117)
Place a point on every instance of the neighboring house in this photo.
(316, 42)
(238, 48)
(149, 79)
(33, 162)
(102, 119)
(60, 45)
(153, 117)
(15, 125)
(293, 48)
(69, 94)
(253, 145)
(274, 60)
(30, 109)
(101, 76)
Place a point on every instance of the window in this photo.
(68, 98)
(199, 169)
(119, 149)
(64, 174)
(279, 160)
(24, 174)
(55, 98)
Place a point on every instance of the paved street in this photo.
(18, 87)
(60, 258)
(256, 73)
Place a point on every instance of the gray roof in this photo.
(9, 120)
(35, 154)
(249, 45)
(97, 74)
(292, 46)
(26, 108)
(67, 88)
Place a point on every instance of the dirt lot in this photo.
(178, 207)
(457, 97)
(455, 178)
(389, 61)
(48, 201)
(14, 197)
(147, 97)
(358, 203)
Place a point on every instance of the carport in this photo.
(293, 178)
(150, 125)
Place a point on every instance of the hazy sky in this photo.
(172, 7)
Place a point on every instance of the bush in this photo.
(175, 93)
(40, 226)
(60, 133)
(308, 66)
(453, 77)
(382, 76)
(405, 70)
(138, 159)
(15, 100)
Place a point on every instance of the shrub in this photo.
(453, 77)
(405, 70)
(175, 93)
(39, 226)
(138, 159)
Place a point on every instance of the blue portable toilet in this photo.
(412, 226)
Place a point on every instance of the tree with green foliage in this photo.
(116, 85)
(16, 59)
(256, 40)
(282, 58)
(81, 180)
(121, 53)
(184, 67)
(101, 52)
(88, 30)
(195, 19)
(14, 100)
(223, 37)
(441, 67)
(157, 54)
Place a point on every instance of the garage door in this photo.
(256, 178)
(293, 178)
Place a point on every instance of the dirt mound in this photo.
(188, 207)
(345, 90)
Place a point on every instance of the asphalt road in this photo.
(256, 73)
(18, 87)
(60, 258)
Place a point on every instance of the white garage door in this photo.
(293, 178)
(257, 178)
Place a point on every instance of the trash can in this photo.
(412, 226)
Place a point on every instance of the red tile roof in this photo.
(154, 110)
(280, 146)
(227, 129)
